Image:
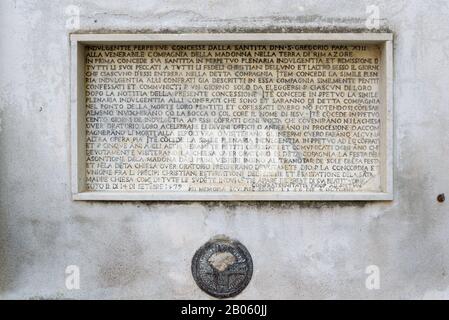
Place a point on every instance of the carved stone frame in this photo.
(78, 151)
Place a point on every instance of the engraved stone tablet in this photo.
(222, 268)
(235, 120)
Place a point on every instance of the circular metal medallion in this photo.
(222, 268)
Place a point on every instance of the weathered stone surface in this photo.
(222, 260)
(130, 250)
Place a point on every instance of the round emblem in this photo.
(222, 268)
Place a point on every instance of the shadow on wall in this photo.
(264, 204)
(8, 269)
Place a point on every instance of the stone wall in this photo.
(143, 249)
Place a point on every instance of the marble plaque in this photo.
(219, 118)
